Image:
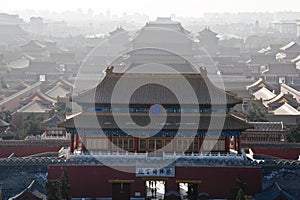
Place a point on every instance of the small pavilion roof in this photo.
(290, 89)
(57, 91)
(26, 90)
(21, 63)
(34, 44)
(40, 96)
(280, 99)
(3, 123)
(45, 97)
(55, 119)
(259, 84)
(64, 82)
(286, 109)
(264, 94)
(33, 107)
(32, 190)
(207, 31)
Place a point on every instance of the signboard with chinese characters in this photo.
(153, 172)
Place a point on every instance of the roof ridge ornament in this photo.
(203, 71)
(109, 70)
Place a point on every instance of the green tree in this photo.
(59, 189)
(65, 186)
(53, 190)
(239, 191)
(294, 134)
(240, 195)
(256, 113)
(61, 109)
(6, 116)
(32, 126)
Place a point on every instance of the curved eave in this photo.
(84, 121)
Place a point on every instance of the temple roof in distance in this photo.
(207, 31)
(32, 191)
(21, 63)
(41, 97)
(266, 126)
(274, 192)
(34, 44)
(286, 109)
(33, 107)
(53, 120)
(292, 46)
(167, 22)
(3, 123)
(151, 93)
(262, 59)
(57, 91)
(281, 99)
(264, 94)
(286, 68)
(259, 84)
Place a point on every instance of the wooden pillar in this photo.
(227, 144)
(234, 143)
(238, 144)
(72, 143)
(175, 144)
(76, 141)
(136, 144)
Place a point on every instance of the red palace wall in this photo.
(93, 181)
(291, 154)
(14, 103)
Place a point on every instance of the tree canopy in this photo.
(256, 113)
(59, 189)
(238, 192)
(294, 134)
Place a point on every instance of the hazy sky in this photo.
(153, 8)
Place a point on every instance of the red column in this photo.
(175, 144)
(72, 143)
(227, 144)
(136, 144)
(238, 144)
(76, 141)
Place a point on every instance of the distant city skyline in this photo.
(152, 8)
